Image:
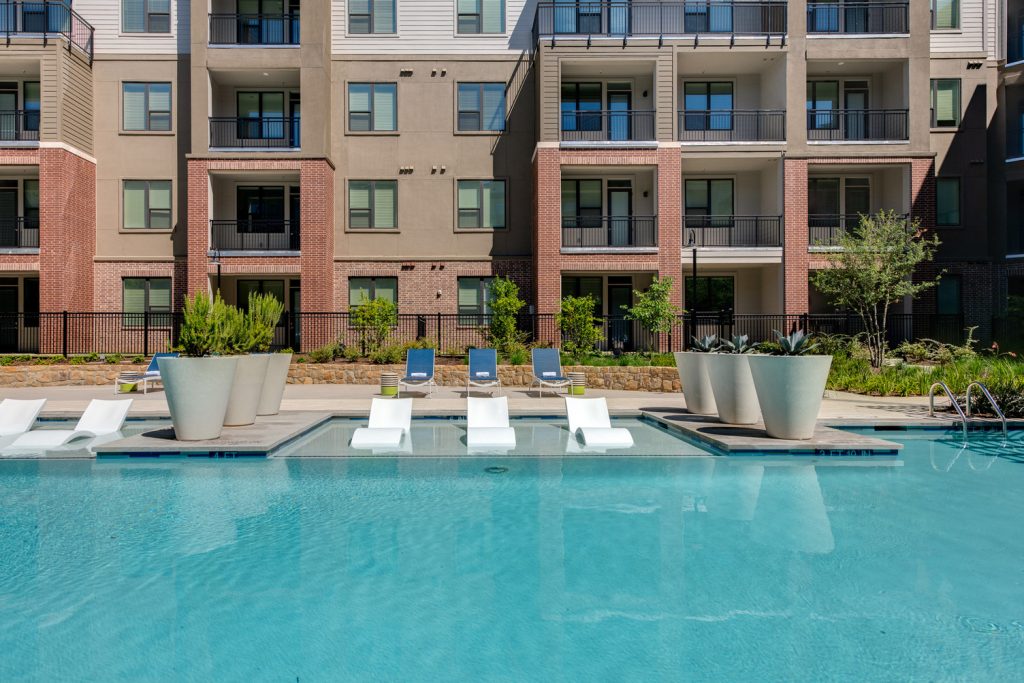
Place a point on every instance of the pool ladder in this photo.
(964, 417)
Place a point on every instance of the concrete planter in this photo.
(733, 388)
(692, 367)
(278, 365)
(789, 390)
(246, 389)
(197, 391)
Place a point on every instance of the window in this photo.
(593, 286)
(481, 204)
(146, 295)
(581, 106)
(147, 106)
(147, 204)
(260, 208)
(372, 106)
(708, 106)
(712, 293)
(481, 106)
(31, 102)
(261, 115)
(372, 204)
(947, 297)
(945, 14)
(364, 289)
(30, 203)
(581, 203)
(947, 201)
(481, 16)
(709, 203)
(822, 100)
(146, 16)
(945, 102)
(249, 287)
(474, 300)
(371, 16)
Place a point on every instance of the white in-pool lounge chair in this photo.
(390, 421)
(17, 416)
(588, 417)
(488, 425)
(100, 418)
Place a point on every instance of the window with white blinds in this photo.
(372, 204)
(481, 16)
(146, 16)
(364, 289)
(371, 16)
(481, 204)
(481, 107)
(946, 102)
(945, 14)
(145, 295)
(372, 107)
(474, 299)
(146, 106)
(147, 204)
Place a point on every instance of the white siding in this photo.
(105, 17)
(428, 26)
(976, 33)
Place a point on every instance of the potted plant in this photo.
(197, 384)
(692, 367)
(236, 338)
(790, 386)
(731, 383)
(262, 318)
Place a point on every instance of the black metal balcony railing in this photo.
(256, 133)
(18, 233)
(826, 230)
(607, 126)
(852, 125)
(46, 19)
(617, 18)
(268, 234)
(732, 231)
(254, 29)
(858, 16)
(582, 232)
(19, 125)
(732, 125)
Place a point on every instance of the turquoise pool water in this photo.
(576, 569)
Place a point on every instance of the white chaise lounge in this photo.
(17, 417)
(488, 425)
(390, 422)
(588, 418)
(99, 419)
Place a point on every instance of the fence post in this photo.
(64, 334)
(145, 333)
(288, 330)
(440, 347)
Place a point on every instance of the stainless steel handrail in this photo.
(952, 399)
(991, 400)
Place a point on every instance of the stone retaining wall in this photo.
(625, 378)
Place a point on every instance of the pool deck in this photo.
(305, 406)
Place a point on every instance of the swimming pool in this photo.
(585, 568)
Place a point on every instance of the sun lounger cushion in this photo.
(491, 436)
(377, 437)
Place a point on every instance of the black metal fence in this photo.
(254, 29)
(616, 18)
(46, 18)
(733, 231)
(582, 232)
(254, 235)
(732, 125)
(851, 125)
(18, 232)
(609, 125)
(858, 17)
(827, 230)
(19, 125)
(255, 132)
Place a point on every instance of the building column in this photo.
(316, 241)
(795, 259)
(670, 226)
(922, 192)
(198, 227)
(547, 238)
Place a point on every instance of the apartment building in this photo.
(331, 150)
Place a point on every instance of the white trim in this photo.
(607, 144)
(67, 148)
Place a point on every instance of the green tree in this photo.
(581, 330)
(373, 321)
(872, 271)
(505, 304)
(653, 308)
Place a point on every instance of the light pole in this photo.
(217, 262)
(691, 242)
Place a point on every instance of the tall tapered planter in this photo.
(733, 388)
(246, 390)
(789, 391)
(197, 390)
(692, 367)
(276, 377)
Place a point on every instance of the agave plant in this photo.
(796, 344)
(705, 344)
(740, 343)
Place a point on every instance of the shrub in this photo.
(505, 304)
(92, 357)
(388, 355)
(76, 360)
(516, 354)
(231, 333)
(197, 336)
(137, 359)
(47, 360)
(261, 320)
(6, 360)
(351, 353)
(421, 343)
(581, 331)
(324, 354)
(373, 320)
(114, 358)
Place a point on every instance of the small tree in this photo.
(197, 336)
(872, 271)
(261, 318)
(654, 309)
(505, 304)
(581, 331)
(373, 320)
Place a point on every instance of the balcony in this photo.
(47, 20)
(607, 126)
(255, 133)
(19, 126)
(618, 19)
(611, 232)
(827, 230)
(254, 235)
(857, 125)
(254, 29)
(16, 232)
(732, 125)
(732, 231)
(858, 17)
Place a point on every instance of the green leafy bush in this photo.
(114, 358)
(505, 304)
(76, 360)
(516, 354)
(373, 321)
(351, 353)
(261, 319)
(581, 331)
(388, 355)
(324, 354)
(6, 360)
(91, 357)
(197, 336)
(137, 359)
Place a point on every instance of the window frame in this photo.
(147, 112)
(710, 123)
(477, 317)
(147, 307)
(479, 182)
(480, 14)
(479, 113)
(959, 201)
(694, 283)
(957, 17)
(957, 106)
(147, 210)
(373, 85)
(371, 205)
(147, 15)
(373, 287)
(371, 11)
